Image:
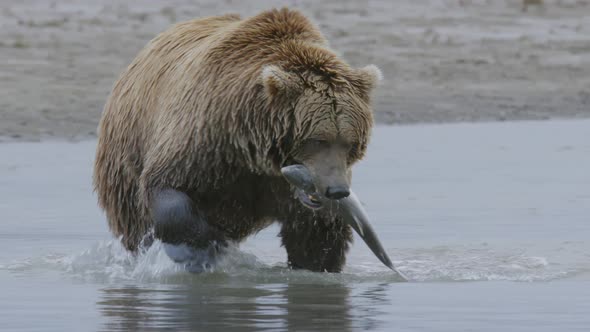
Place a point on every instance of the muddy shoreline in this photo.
(443, 60)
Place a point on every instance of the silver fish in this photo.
(350, 209)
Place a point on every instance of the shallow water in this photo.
(489, 221)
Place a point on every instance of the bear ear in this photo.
(366, 79)
(371, 76)
(276, 80)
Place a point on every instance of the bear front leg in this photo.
(182, 228)
(316, 242)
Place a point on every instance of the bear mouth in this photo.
(312, 201)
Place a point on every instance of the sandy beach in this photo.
(443, 60)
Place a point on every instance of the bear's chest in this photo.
(245, 206)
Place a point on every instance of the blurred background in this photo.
(443, 60)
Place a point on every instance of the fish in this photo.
(349, 208)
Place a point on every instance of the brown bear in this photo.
(197, 128)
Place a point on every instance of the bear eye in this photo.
(317, 142)
(353, 153)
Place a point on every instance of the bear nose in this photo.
(337, 192)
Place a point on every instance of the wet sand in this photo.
(443, 60)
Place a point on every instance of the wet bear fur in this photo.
(214, 108)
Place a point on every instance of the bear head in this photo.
(327, 109)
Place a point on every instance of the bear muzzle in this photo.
(337, 192)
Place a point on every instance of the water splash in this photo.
(480, 264)
(109, 262)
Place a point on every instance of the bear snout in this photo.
(337, 192)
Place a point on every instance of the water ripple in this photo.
(109, 262)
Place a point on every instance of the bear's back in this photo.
(197, 59)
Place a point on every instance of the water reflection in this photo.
(212, 306)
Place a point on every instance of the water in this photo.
(489, 221)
